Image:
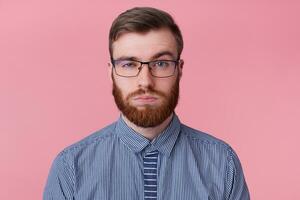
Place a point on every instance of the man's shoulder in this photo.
(200, 137)
(91, 140)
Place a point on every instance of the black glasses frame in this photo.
(148, 64)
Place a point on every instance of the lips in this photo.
(145, 99)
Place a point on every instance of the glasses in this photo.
(132, 68)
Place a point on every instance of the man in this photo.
(148, 153)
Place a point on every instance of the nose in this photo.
(145, 79)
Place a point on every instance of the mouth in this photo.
(145, 99)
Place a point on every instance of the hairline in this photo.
(120, 34)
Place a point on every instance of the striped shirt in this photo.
(108, 165)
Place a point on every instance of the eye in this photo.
(161, 64)
(128, 64)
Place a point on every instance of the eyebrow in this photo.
(163, 53)
(155, 56)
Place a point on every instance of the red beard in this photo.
(149, 116)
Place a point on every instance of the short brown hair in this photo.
(144, 19)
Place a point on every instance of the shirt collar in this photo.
(164, 142)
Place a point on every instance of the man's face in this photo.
(146, 100)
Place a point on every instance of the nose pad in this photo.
(147, 69)
(145, 78)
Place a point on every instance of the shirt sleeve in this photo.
(236, 187)
(60, 182)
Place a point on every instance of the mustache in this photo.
(149, 91)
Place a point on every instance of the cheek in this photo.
(165, 85)
(125, 87)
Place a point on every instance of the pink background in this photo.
(240, 83)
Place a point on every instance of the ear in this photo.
(180, 67)
(110, 71)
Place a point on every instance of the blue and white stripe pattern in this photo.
(109, 165)
(150, 175)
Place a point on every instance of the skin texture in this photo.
(152, 45)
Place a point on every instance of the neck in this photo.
(151, 132)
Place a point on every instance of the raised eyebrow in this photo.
(127, 58)
(163, 53)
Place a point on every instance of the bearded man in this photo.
(147, 153)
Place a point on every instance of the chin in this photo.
(147, 106)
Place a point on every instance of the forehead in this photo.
(144, 46)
